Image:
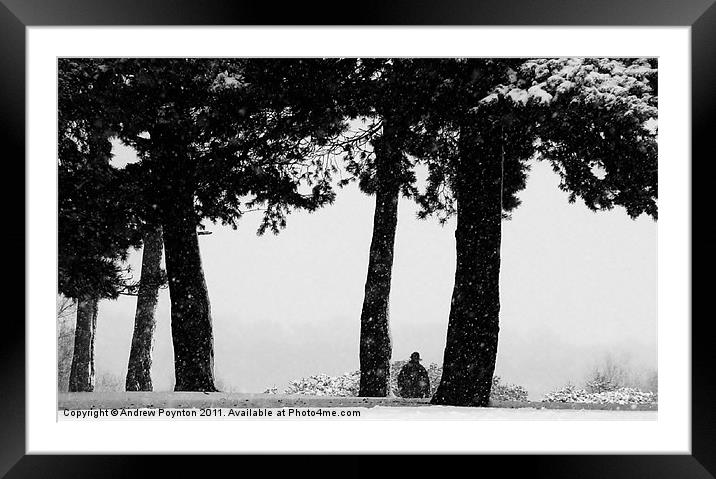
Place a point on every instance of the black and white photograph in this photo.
(354, 232)
(413, 229)
(357, 238)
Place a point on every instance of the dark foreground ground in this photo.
(180, 400)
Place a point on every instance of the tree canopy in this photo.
(95, 225)
(240, 134)
(593, 119)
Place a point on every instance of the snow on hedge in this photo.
(324, 385)
(621, 395)
(347, 385)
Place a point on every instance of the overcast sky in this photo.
(575, 286)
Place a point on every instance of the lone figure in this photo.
(413, 381)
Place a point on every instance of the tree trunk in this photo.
(140, 357)
(192, 333)
(82, 370)
(375, 342)
(471, 346)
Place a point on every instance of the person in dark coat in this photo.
(413, 380)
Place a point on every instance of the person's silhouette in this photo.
(413, 380)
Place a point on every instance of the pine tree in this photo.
(95, 228)
(389, 95)
(215, 138)
(592, 119)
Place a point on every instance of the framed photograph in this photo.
(423, 180)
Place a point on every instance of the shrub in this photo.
(506, 392)
(622, 395)
(611, 381)
(600, 383)
(348, 385)
(323, 385)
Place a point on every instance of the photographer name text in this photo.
(207, 413)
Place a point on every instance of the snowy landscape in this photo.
(410, 238)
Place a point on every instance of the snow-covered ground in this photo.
(247, 406)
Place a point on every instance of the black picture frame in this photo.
(16, 15)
